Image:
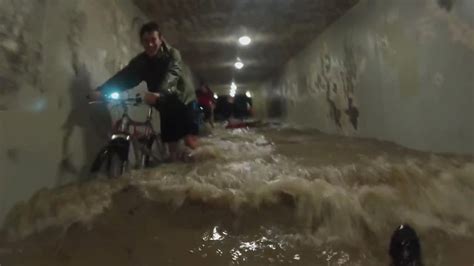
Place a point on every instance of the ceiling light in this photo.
(215, 96)
(233, 86)
(233, 89)
(245, 40)
(239, 65)
(248, 94)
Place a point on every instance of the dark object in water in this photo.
(405, 249)
(446, 4)
(233, 124)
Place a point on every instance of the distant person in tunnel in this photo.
(240, 107)
(169, 89)
(207, 102)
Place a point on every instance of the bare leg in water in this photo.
(173, 149)
(211, 119)
(177, 154)
(191, 141)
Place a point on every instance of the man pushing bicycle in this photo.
(169, 90)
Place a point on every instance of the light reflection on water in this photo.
(268, 245)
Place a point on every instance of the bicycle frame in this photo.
(126, 125)
(126, 134)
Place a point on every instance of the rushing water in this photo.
(271, 196)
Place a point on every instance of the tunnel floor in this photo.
(267, 196)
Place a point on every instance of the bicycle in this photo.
(126, 138)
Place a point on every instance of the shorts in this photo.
(177, 119)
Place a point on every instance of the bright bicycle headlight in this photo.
(114, 96)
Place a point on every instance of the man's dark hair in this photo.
(149, 27)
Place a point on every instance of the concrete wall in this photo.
(51, 54)
(398, 70)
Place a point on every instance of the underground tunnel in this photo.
(236, 132)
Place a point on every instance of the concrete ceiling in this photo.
(206, 32)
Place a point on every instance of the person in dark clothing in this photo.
(242, 106)
(205, 97)
(169, 89)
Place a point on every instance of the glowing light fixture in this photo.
(248, 94)
(115, 96)
(245, 40)
(233, 86)
(215, 96)
(233, 89)
(239, 65)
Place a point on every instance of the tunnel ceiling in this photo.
(207, 31)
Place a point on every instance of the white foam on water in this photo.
(239, 170)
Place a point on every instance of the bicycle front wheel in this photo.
(116, 166)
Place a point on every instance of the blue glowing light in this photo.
(115, 96)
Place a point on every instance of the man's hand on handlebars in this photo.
(95, 96)
(151, 98)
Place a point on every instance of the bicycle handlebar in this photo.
(131, 100)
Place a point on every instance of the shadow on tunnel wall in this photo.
(93, 122)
